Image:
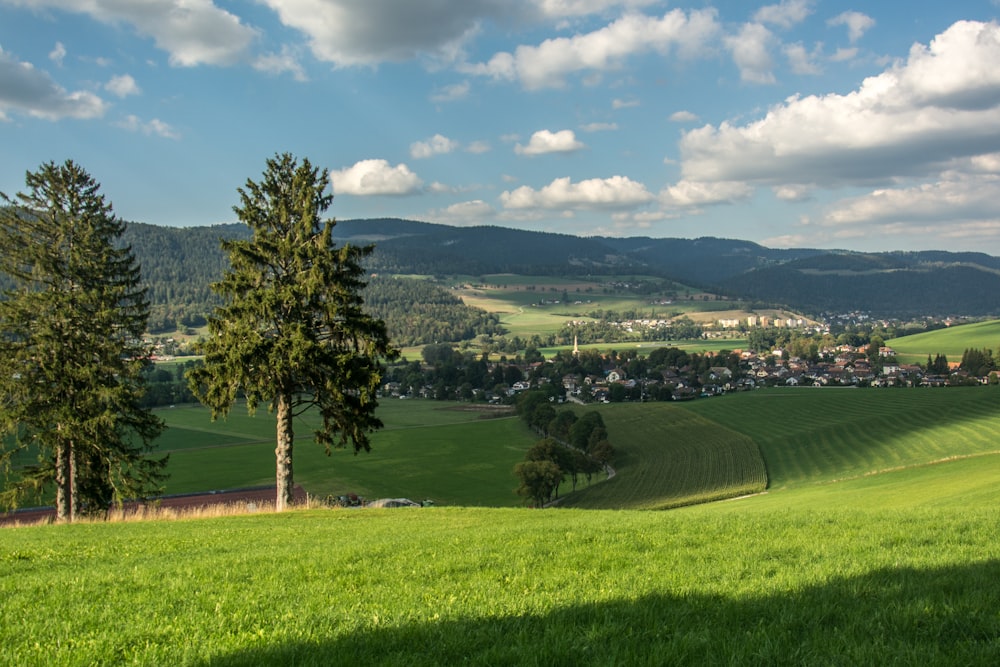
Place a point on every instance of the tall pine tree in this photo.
(293, 332)
(71, 349)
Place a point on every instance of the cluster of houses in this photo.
(843, 366)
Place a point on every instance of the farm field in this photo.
(667, 457)
(530, 305)
(427, 450)
(952, 342)
(811, 435)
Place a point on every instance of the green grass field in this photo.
(951, 342)
(876, 544)
(450, 586)
(428, 450)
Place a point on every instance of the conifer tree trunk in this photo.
(283, 453)
(65, 473)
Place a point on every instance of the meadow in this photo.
(951, 342)
(444, 586)
(875, 543)
(428, 450)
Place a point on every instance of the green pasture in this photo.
(479, 586)
(428, 450)
(951, 342)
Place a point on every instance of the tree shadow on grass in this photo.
(944, 616)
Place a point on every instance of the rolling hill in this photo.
(179, 263)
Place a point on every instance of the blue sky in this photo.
(802, 123)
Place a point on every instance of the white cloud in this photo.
(31, 91)
(857, 24)
(573, 8)
(785, 14)
(57, 54)
(436, 145)
(122, 86)
(467, 211)
(451, 93)
(844, 54)
(599, 127)
(281, 63)
(683, 117)
(956, 199)
(154, 127)
(193, 32)
(549, 63)
(941, 104)
(348, 33)
(478, 147)
(802, 61)
(751, 52)
(624, 104)
(543, 141)
(617, 192)
(375, 177)
(793, 193)
(693, 193)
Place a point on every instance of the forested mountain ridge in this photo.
(180, 263)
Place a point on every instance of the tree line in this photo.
(572, 446)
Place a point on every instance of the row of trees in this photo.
(572, 446)
(292, 334)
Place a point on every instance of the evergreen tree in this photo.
(293, 332)
(71, 350)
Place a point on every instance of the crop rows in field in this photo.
(668, 457)
(818, 435)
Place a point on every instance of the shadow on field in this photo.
(946, 616)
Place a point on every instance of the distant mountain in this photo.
(179, 264)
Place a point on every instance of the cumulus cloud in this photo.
(694, 193)
(451, 93)
(436, 145)
(683, 117)
(348, 33)
(599, 127)
(617, 192)
(467, 212)
(25, 89)
(193, 32)
(155, 127)
(478, 147)
(549, 63)
(285, 62)
(857, 24)
(623, 104)
(751, 52)
(375, 177)
(57, 54)
(543, 141)
(941, 104)
(122, 86)
(572, 8)
(785, 14)
(957, 198)
(801, 60)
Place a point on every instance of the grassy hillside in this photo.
(951, 342)
(875, 545)
(810, 435)
(668, 456)
(508, 587)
